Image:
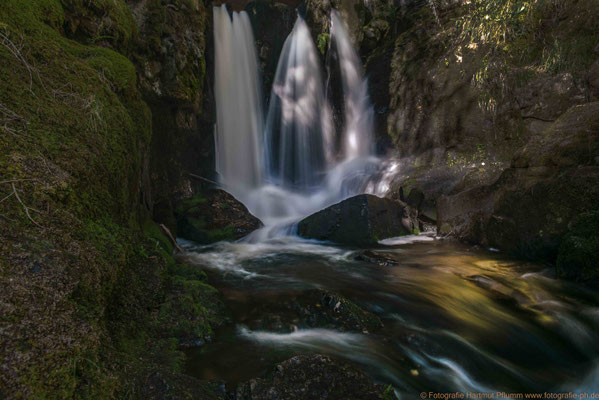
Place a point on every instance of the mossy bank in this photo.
(87, 281)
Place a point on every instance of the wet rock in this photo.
(578, 257)
(213, 216)
(312, 309)
(360, 220)
(312, 377)
(377, 257)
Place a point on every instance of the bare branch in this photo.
(14, 189)
(171, 237)
(10, 194)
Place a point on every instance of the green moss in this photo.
(323, 42)
(154, 232)
(190, 204)
(115, 24)
(189, 311)
(73, 142)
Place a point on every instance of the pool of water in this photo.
(456, 317)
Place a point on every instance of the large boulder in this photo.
(361, 221)
(213, 216)
(312, 377)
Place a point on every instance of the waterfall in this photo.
(239, 124)
(298, 125)
(292, 166)
(359, 119)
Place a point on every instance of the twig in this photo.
(170, 236)
(17, 53)
(14, 189)
(10, 194)
(44, 160)
(18, 180)
(202, 178)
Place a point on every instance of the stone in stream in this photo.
(213, 216)
(378, 257)
(315, 308)
(361, 221)
(312, 377)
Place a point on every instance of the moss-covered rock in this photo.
(578, 257)
(212, 216)
(79, 274)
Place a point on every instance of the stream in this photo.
(456, 318)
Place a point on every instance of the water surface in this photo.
(456, 318)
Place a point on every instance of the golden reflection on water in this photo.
(474, 289)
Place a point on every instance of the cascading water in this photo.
(298, 126)
(358, 130)
(304, 170)
(239, 124)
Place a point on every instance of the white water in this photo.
(358, 134)
(299, 124)
(239, 124)
(291, 168)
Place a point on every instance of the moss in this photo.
(154, 232)
(189, 311)
(323, 42)
(112, 22)
(85, 277)
(578, 256)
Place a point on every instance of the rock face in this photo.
(528, 209)
(313, 377)
(360, 220)
(579, 252)
(213, 216)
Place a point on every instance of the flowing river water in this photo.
(456, 318)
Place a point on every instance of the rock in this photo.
(528, 209)
(311, 309)
(578, 257)
(413, 197)
(312, 377)
(213, 216)
(360, 220)
(377, 257)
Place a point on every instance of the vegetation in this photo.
(517, 39)
(84, 273)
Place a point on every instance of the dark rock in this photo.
(164, 384)
(377, 257)
(528, 209)
(360, 220)
(213, 216)
(311, 309)
(578, 257)
(312, 377)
